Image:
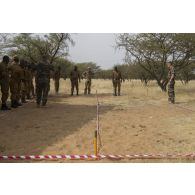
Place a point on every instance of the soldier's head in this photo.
(22, 63)
(169, 64)
(16, 59)
(44, 58)
(6, 59)
(75, 68)
(115, 68)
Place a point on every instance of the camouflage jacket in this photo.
(171, 73)
(16, 72)
(4, 73)
(88, 75)
(43, 72)
(74, 75)
(116, 75)
(57, 75)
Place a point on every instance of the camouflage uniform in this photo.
(42, 82)
(57, 75)
(88, 76)
(74, 78)
(171, 84)
(28, 78)
(24, 83)
(17, 76)
(31, 87)
(116, 80)
(4, 83)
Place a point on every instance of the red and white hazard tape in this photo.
(99, 157)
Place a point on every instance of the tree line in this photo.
(146, 54)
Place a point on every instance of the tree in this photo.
(152, 52)
(32, 47)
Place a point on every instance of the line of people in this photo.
(17, 77)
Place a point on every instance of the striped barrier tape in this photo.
(98, 157)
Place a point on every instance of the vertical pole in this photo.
(97, 129)
(95, 144)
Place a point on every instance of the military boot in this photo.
(4, 107)
(24, 101)
(13, 104)
(18, 103)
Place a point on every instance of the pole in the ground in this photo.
(95, 144)
(97, 129)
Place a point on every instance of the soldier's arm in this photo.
(172, 74)
(84, 74)
(79, 77)
(121, 78)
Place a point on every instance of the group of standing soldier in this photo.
(18, 76)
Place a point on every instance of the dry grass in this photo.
(139, 121)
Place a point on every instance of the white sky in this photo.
(96, 47)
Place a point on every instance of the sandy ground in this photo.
(140, 121)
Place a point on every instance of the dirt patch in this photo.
(134, 123)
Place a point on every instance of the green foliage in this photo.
(152, 52)
(33, 47)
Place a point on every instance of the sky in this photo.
(96, 47)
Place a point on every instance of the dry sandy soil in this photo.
(139, 121)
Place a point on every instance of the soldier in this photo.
(74, 78)
(88, 76)
(4, 82)
(42, 81)
(171, 82)
(23, 65)
(32, 89)
(116, 80)
(57, 75)
(15, 82)
(28, 78)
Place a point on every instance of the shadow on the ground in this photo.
(30, 130)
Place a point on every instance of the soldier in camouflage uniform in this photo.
(23, 87)
(28, 81)
(4, 82)
(116, 80)
(17, 76)
(75, 79)
(171, 83)
(88, 76)
(42, 81)
(56, 77)
(32, 75)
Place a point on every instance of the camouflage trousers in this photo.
(57, 85)
(32, 89)
(28, 89)
(74, 84)
(4, 84)
(171, 92)
(87, 87)
(23, 91)
(116, 87)
(15, 88)
(42, 90)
